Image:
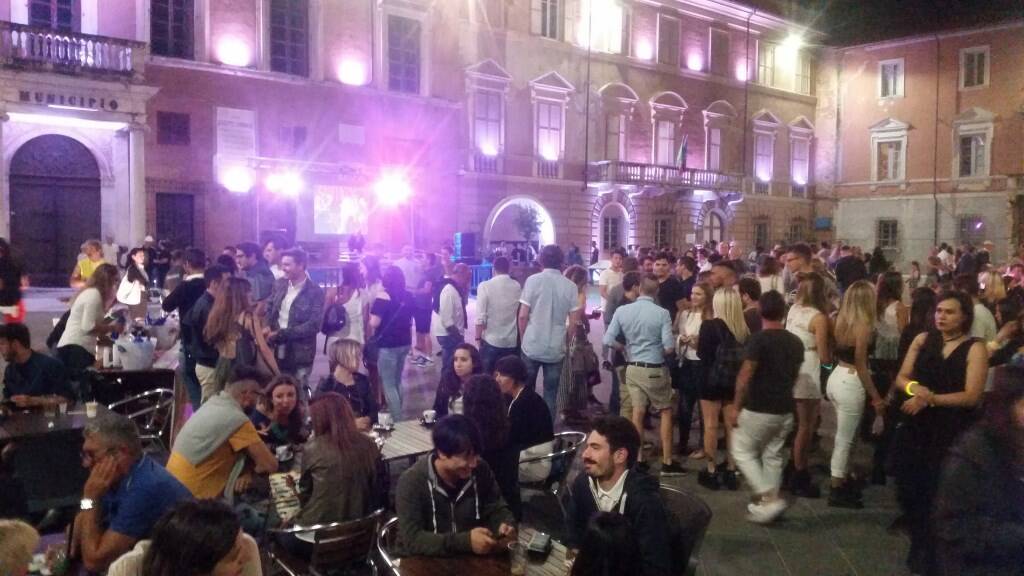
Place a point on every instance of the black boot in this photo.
(803, 486)
(845, 496)
(787, 475)
(728, 478)
(709, 480)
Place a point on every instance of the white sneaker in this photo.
(766, 512)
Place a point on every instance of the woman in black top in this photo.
(345, 356)
(1010, 337)
(484, 405)
(942, 381)
(466, 362)
(390, 331)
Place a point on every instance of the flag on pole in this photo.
(681, 157)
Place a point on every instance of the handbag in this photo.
(128, 293)
(728, 359)
(335, 318)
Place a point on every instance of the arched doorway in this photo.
(714, 227)
(55, 206)
(614, 224)
(502, 224)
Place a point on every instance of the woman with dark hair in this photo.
(228, 262)
(768, 275)
(891, 318)
(278, 417)
(391, 333)
(134, 287)
(979, 508)
(1010, 336)
(76, 348)
(938, 388)
(197, 538)
(921, 319)
(351, 296)
(465, 363)
(608, 547)
(485, 406)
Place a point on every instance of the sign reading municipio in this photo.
(73, 100)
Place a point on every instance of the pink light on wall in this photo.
(392, 189)
(352, 71)
(695, 61)
(234, 51)
(489, 149)
(549, 152)
(644, 49)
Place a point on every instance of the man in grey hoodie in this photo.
(449, 502)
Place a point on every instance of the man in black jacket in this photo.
(294, 313)
(192, 339)
(182, 298)
(612, 483)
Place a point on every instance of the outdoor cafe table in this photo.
(494, 565)
(409, 439)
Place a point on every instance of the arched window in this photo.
(614, 225)
(714, 227)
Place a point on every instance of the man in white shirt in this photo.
(611, 277)
(984, 324)
(497, 302)
(448, 321)
(293, 317)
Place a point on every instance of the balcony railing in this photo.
(69, 53)
(484, 164)
(619, 172)
(547, 168)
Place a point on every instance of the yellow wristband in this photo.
(907, 388)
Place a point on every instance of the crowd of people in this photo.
(749, 346)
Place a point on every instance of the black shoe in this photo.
(844, 497)
(787, 475)
(802, 486)
(878, 476)
(708, 480)
(729, 479)
(672, 469)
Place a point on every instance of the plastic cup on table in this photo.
(517, 558)
(91, 408)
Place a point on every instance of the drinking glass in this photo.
(517, 558)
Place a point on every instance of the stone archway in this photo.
(627, 231)
(54, 205)
(501, 226)
(714, 220)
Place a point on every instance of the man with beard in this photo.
(612, 483)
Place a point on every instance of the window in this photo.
(487, 121)
(668, 40)
(766, 64)
(60, 15)
(887, 234)
(289, 37)
(172, 129)
(889, 160)
(797, 231)
(665, 146)
(972, 155)
(803, 73)
(714, 162)
(604, 31)
(972, 229)
(615, 140)
(761, 234)
(662, 231)
(799, 156)
(292, 138)
(764, 156)
(719, 52)
(404, 54)
(714, 229)
(610, 226)
(171, 28)
(974, 67)
(546, 18)
(549, 130)
(890, 78)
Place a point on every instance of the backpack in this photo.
(728, 359)
(335, 319)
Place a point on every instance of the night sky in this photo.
(857, 21)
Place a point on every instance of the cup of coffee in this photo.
(384, 419)
(91, 408)
(429, 416)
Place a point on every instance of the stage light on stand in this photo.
(237, 179)
(284, 183)
(392, 189)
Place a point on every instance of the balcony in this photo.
(636, 173)
(42, 49)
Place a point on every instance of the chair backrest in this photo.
(151, 411)
(341, 545)
(693, 516)
(567, 445)
(386, 542)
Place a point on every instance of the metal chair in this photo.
(566, 446)
(336, 547)
(385, 543)
(694, 516)
(151, 411)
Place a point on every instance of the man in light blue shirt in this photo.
(647, 329)
(548, 301)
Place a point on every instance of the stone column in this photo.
(137, 182)
(5, 194)
(316, 40)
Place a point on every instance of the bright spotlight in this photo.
(284, 183)
(392, 189)
(793, 42)
(237, 179)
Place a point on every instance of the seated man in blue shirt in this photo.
(126, 493)
(647, 329)
(31, 379)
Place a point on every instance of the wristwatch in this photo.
(86, 504)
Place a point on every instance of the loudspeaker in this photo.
(465, 245)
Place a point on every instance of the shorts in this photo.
(649, 386)
(422, 319)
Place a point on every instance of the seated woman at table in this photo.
(196, 538)
(608, 547)
(278, 417)
(345, 356)
(31, 379)
(529, 418)
(18, 541)
(486, 408)
(339, 470)
(465, 363)
(76, 348)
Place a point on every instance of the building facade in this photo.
(212, 121)
(926, 136)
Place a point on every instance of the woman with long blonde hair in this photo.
(687, 328)
(850, 383)
(720, 349)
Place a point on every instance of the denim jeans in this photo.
(552, 376)
(187, 373)
(491, 354)
(448, 344)
(390, 363)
